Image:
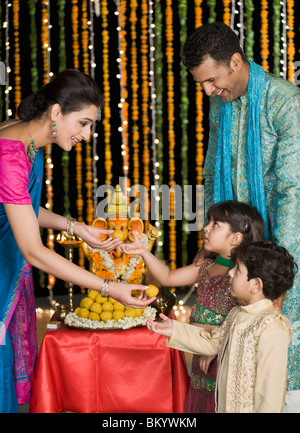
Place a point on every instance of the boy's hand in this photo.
(163, 328)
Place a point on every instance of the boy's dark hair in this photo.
(270, 262)
(241, 217)
(216, 40)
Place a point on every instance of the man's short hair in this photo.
(216, 40)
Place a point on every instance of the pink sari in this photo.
(22, 329)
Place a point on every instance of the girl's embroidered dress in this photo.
(21, 184)
(213, 303)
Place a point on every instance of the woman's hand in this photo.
(164, 328)
(122, 292)
(204, 362)
(133, 248)
(91, 235)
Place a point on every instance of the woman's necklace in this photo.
(31, 149)
(224, 262)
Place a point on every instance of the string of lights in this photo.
(153, 131)
(94, 8)
(106, 93)
(8, 87)
(122, 60)
(47, 74)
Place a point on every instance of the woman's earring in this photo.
(54, 130)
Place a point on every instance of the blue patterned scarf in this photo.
(222, 183)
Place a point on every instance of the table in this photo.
(115, 371)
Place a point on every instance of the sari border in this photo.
(13, 302)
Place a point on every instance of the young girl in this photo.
(230, 223)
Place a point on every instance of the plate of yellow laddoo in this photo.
(97, 312)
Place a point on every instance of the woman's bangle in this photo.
(104, 288)
(70, 226)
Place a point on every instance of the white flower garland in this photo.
(133, 262)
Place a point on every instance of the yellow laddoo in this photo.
(138, 312)
(107, 306)
(119, 307)
(118, 234)
(129, 312)
(112, 300)
(94, 316)
(117, 314)
(86, 302)
(77, 310)
(106, 315)
(96, 307)
(93, 294)
(84, 312)
(100, 299)
(152, 291)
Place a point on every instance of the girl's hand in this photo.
(201, 255)
(163, 328)
(91, 235)
(204, 362)
(122, 292)
(133, 248)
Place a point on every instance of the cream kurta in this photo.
(261, 367)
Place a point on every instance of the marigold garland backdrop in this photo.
(154, 129)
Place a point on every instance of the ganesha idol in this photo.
(116, 265)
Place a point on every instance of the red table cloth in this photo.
(117, 371)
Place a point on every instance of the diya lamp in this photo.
(69, 243)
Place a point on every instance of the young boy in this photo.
(252, 343)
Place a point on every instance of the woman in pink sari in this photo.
(61, 112)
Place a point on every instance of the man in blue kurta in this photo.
(253, 151)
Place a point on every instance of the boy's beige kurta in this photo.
(252, 346)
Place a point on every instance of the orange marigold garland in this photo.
(226, 13)
(145, 100)
(106, 94)
(134, 91)
(199, 122)
(171, 131)
(16, 24)
(290, 40)
(85, 37)
(264, 35)
(75, 35)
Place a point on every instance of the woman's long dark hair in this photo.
(71, 89)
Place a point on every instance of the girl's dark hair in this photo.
(71, 89)
(270, 262)
(241, 218)
(216, 40)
